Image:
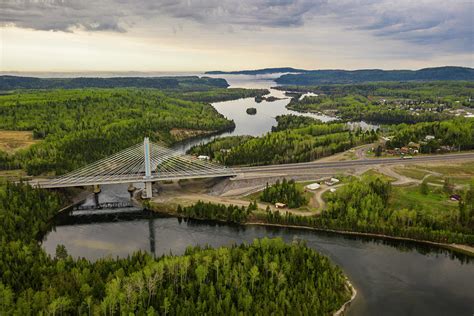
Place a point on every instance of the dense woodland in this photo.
(457, 134)
(218, 95)
(265, 277)
(386, 103)
(77, 127)
(284, 192)
(366, 206)
(291, 121)
(315, 77)
(287, 145)
(220, 212)
(191, 83)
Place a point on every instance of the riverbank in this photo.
(460, 248)
(344, 308)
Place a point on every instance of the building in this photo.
(312, 186)
(332, 181)
(280, 205)
(202, 157)
(455, 197)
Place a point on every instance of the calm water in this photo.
(245, 124)
(392, 278)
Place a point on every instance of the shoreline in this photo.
(341, 311)
(459, 248)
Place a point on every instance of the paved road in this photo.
(255, 172)
(354, 163)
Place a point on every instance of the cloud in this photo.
(60, 15)
(438, 23)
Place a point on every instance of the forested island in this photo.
(267, 276)
(251, 111)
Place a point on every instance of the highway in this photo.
(355, 163)
(246, 172)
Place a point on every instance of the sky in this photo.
(193, 35)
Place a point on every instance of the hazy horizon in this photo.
(170, 73)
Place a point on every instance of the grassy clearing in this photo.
(11, 141)
(411, 172)
(435, 202)
(460, 174)
(372, 172)
(464, 169)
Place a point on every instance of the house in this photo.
(312, 186)
(429, 137)
(280, 205)
(333, 181)
(446, 149)
(404, 150)
(455, 197)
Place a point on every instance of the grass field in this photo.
(11, 141)
(410, 197)
(373, 172)
(460, 174)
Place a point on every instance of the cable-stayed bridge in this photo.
(146, 162)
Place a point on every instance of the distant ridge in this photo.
(185, 82)
(316, 77)
(263, 71)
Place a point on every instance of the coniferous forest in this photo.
(265, 277)
(76, 127)
(284, 192)
(286, 144)
(367, 206)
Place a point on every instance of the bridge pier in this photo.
(148, 184)
(97, 189)
(148, 190)
(131, 188)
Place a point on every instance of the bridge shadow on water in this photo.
(130, 214)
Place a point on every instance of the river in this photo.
(392, 278)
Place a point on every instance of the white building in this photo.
(313, 186)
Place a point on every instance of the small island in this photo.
(251, 111)
(271, 98)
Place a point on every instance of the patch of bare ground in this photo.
(12, 141)
(186, 193)
(356, 153)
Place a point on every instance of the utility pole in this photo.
(147, 177)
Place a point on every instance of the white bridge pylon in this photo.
(146, 162)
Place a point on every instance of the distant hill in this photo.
(317, 77)
(256, 71)
(191, 83)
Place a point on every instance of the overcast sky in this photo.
(192, 35)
